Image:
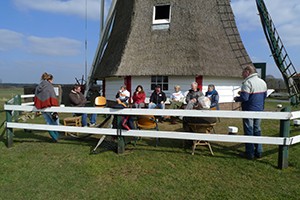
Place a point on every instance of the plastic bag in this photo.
(204, 102)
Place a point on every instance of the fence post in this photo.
(9, 131)
(121, 141)
(283, 152)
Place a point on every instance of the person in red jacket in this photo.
(45, 97)
(139, 97)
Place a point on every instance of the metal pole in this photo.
(102, 16)
(283, 152)
(85, 44)
(121, 141)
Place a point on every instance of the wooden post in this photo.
(283, 152)
(10, 115)
(121, 141)
(17, 101)
(9, 131)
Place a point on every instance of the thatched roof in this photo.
(202, 39)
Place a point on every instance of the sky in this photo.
(38, 36)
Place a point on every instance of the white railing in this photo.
(166, 112)
(25, 96)
(283, 116)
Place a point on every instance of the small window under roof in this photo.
(161, 14)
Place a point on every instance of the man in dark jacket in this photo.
(193, 96)
(78, 100)
(157, 98)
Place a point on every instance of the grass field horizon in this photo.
(36, 168)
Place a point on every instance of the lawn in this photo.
(36, 168)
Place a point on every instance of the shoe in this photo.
(258, 155)
(244, 155)
(92, 125)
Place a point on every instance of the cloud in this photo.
(57, 46)
(291, 34)
(65, 7)
(10, 40)
(285, 15)
(54, 46)
(246, 14)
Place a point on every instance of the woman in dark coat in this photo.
(213, 95)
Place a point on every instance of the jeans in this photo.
(159, 105)
(48, 118)
(252, 128)
(93, 119)
(176, 104)
(139, 105)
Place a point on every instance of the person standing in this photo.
(192, 97)
(252, 97)
(213, 95)
(139, 97)
(45, 97)
(78, 100)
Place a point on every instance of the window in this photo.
(163, 81)
(161, 14)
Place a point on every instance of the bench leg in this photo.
(194, 147)
(211, 151)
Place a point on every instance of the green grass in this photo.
(35, 168)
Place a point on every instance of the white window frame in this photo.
(162, 82)
(161, 21)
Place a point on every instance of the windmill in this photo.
(169, 42)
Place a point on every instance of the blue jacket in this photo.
(253, 93)
(214, 99)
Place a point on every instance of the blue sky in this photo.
(39, 36)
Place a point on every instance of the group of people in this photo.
(252, 96)
(158, 97)
(45, 97)
(194, 98)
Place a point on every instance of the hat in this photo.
(157, 86)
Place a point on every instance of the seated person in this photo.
(176, 100)
(192, 98)
(78, 100)
(213, 95)
(157, 98)
(139, 97)
(123, 96)
(126, 121)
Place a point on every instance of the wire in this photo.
(86, 44)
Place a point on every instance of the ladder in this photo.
(228, 22)
(279, 53)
